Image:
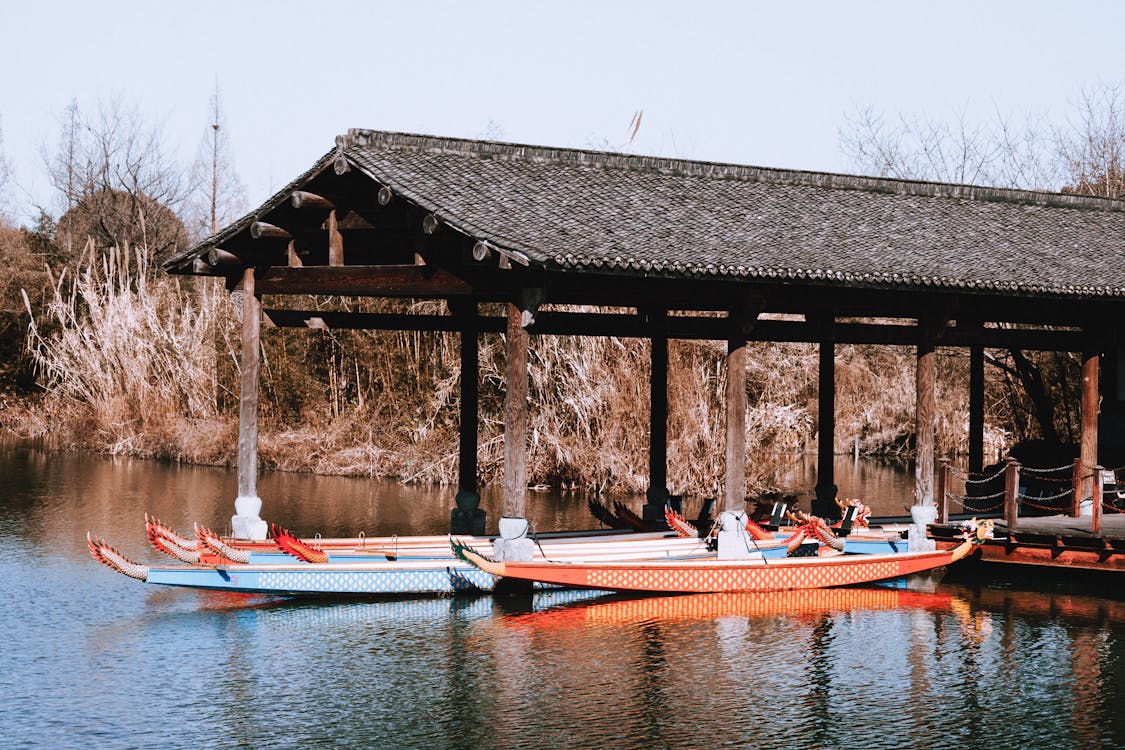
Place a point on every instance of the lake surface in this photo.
(92, 659)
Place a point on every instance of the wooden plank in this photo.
(248, 390)
(736, 425)
(515, 416)
(925, 415)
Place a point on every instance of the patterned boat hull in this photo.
(724, 576)
(424, 578)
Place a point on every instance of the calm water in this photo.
(91, 659)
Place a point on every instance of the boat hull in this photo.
(717, 576)
(293, 580)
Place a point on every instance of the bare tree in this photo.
(1085, 155)
(218, 195)
(916, 147)
(1092, 145)
(116, 182)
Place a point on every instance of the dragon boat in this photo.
(851, 536)
(216, 570)
(285, 548)
(208, 547)
(717, 576)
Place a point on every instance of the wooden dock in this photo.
(1051, 542)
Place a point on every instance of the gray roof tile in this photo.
(572, 209)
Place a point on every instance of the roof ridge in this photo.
(362, 138)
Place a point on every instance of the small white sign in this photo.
(1108, 477)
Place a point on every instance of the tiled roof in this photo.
(594, 211)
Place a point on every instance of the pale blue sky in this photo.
(754, 83)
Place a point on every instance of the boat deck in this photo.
(1052, 542)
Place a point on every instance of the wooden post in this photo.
(658, 425)
(470, 375)
(924, 427)
(515, 416)
(467, 517)
(976, 408)
(1011, 493)
(1096, 520)
(335, 240)
(736, 423)
(246, 522)
(1089, 452)
(943, 490)
(248, 393)
(1076, 489)
(826, 433)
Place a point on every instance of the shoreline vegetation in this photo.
(100, 351)
(131, 361)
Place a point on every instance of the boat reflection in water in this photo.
(89, 661)
(805, 604)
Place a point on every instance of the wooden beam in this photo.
(292, 259)
(261, 230)
(335, 241)
(381, 281)
(304, 199)
(515, 416)
(420, 281)
(216, 256)
(248, 390)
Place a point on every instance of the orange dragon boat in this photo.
(715, 576)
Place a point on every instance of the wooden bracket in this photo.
(530, 300)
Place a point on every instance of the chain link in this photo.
(968, 477)
(1037, 506)
(984, 509)
(1034, 470)
(993, 496)
(1044, 498)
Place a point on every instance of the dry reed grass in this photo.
(145, 364)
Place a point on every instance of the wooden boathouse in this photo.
(691, 250)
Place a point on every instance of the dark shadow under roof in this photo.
(587, 211)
